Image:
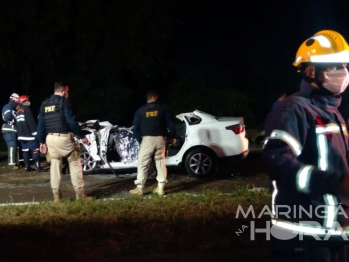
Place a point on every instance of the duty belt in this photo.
(59, 134)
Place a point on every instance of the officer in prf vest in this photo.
(150, 125)
(56, 129)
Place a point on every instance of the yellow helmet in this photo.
(326, 46)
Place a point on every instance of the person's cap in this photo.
(14, 97)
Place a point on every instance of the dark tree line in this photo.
(106, 50)
(110, 53)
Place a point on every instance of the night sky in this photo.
(224, 42)
(265, 34)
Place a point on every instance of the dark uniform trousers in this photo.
(11, 142)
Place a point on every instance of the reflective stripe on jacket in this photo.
(9, 117)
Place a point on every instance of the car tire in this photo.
(88, 166)
(200, 162)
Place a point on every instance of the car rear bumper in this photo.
(234, 147)
(230, 159)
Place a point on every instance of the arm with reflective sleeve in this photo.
(287, 130)
(30, 121)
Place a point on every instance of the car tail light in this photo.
(237, 129)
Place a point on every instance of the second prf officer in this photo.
(150, 125)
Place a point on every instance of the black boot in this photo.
(38, 167)
(27, 164)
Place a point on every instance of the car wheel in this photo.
(200, 162)
(87, 163)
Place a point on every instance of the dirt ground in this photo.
(20, 186)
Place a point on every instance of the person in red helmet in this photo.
(26, 131)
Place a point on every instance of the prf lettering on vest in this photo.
(49, 109)
(151, 113)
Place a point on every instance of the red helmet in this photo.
(22, 99)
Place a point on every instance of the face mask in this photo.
(336, 81)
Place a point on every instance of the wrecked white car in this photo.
(202, 141)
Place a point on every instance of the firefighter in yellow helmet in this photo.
(306, 156)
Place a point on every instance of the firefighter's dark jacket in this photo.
(8, 115)
(56, 116)
(26, 124)
(153, 119)
(306, 153)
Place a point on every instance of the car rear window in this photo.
(193, 120)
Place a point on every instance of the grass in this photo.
(135, 226)
(131, 226)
